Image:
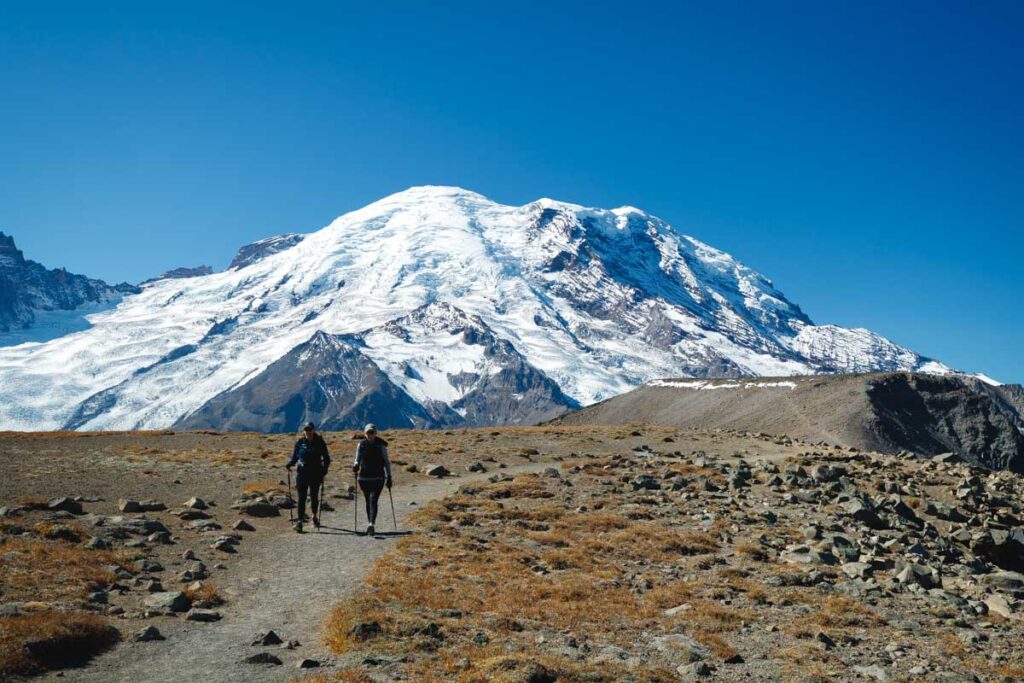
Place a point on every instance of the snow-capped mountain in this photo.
(30, 292)
(461, 310)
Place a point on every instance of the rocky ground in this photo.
(696, 555)
(557, 553)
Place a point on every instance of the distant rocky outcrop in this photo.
(181, 274)
(334, 381)
(912, 413)
(327, 380)
(27, 287)
(257, 251)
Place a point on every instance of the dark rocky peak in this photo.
(257, 251)
(181, 274)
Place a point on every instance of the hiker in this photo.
(373, 470)
(311, 454)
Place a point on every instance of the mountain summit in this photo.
(463, 310)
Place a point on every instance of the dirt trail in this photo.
(282, 581)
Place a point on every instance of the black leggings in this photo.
(371, 489)
(308, 485)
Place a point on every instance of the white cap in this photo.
(370, 428)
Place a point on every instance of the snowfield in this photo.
(599, 300)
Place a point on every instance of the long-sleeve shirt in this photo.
(372, 459)
(311, 455)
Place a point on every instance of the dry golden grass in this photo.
(37, 570)
(43, 640)
(207, 593)
(265, 487)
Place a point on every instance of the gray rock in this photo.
(999, 605)
(1010, 581)
(242, 525)
(918, 574)
(676, 644)
(263, 658)
(694, 670)
(438, 471)
(803, 554)
(196, 504)
(148, 634)
(267, 639)
(308, 664)
(873, 671)
(257, 508)
(97, 543)
(857, 570)
(173, 601)
(65, 504)
(128, 506)
(204, 615)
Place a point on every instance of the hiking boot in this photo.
(298, 526)
(316, 522)
(370, 530)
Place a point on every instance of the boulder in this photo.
(65, 504)
(438, 471)
(684, 647)
(257, 508)
(172, 601)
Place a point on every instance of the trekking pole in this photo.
(394, 519)
(291, 514)
(355, 503)
(320, 502)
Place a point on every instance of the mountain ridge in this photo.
(596, 301)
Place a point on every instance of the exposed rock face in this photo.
(334, 382)
(887, 412)
(27, 287)
(257, 251)
(181, 274)
(327, 380)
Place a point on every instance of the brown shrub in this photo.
(45, 640)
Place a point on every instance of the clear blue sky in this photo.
(866, 156)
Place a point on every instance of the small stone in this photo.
(694, 670)
(97, 543)
(204, 615)
(857, 570)
(825, 641)
(874, 671)
(128, 506)
(267, 639)
(196, 503)
(242, 525)
(263, 658)
(308, 664)
(148, 634)
(438, 471)
(365, 631)
(672, 611)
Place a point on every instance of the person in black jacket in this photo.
(373, 470)
(310, 453)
